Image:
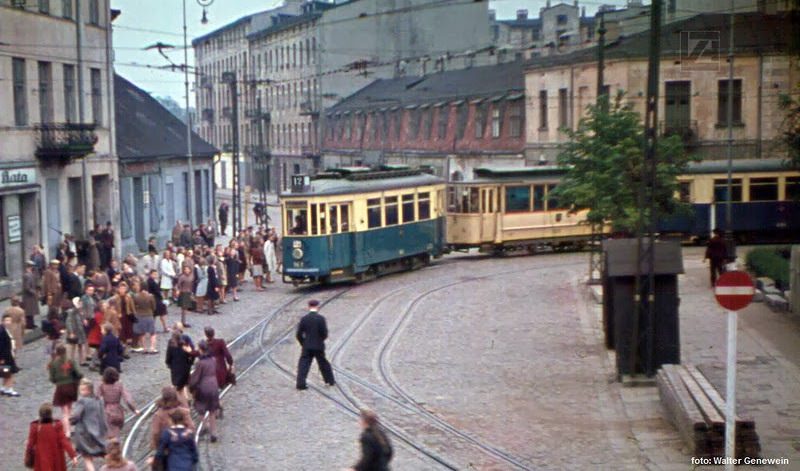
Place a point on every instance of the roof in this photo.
(517, 173)
(284, 24)
(486, 81)
(533, 23)
(738, 166)
(146, 130)
(354, 181)
(772, 34)
(227, 27)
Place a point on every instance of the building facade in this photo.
(306, 56)
(451, 121)
(57, 156)
(693, 89)
(153, 174)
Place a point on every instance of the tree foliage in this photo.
(791, 128)
(604, 162)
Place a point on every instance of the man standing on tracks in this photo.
(311, 334)
(716, 253)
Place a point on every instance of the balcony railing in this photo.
(309, 108)
(309, 150)
(62, 142)
(255, 113)
(687, 131)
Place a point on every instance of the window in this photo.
(398, 124)
(413, 123)
(722, 102)
(69, 93)
(763, 189)
(375, 126)
(392, 214)
(518, 198)
(515, 119)
(424, 206)
(20, 92)
(480, 120)
(677, 106)
(45, 92)
(97, 97)
(469, 201)
(348, 128)
(344, 217)
(552, 202)
(385, 126)
(444, 117)
(296, 218)
(427, 123)
(408, 208)
(373, 213)
(561, 19)
(66, 9)
(44, 6)
(461, 120)
(538, 197)
(793, 188)
(543, 109)
(563, 108)
(721, 190)
(685, 192)
(496, 122)
(94, 12)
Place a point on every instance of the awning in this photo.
(515, 96)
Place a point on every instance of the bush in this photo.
(770, 262)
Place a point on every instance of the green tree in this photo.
(604, 162)
(791, 128)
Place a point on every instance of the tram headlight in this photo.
(297, 253)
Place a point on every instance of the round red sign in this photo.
(734, 290)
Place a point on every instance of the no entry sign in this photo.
(734, 290)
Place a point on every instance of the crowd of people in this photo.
(96, 311)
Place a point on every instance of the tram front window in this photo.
(297, 218)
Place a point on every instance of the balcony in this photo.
(309, 108)
(59, 143)
(257, 114)
(686, 130)
(208, 115)
(205, 82)
(309, 150)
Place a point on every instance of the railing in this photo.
(62, 142)
(687, 131)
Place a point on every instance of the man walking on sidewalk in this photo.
(223, 217)
(311, 334)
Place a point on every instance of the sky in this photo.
(146, 22)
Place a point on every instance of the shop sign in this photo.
(17, 177)
(14, 229)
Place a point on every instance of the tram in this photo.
(353, 224)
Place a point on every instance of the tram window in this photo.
(470, 199)
(452, 200)
(344, 213)
(793, 188)
(763, 189)
(296, 218)
(424, 204)
(685, 192)
(323, 226)
(552, 202)
(721, 190)
(313, 219)
(538, 197)
(408, 208)
(334, 219)
(390, 202)
(373, 213)
(518, 198)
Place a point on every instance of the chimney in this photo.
(492, 15)
(583, 12)
(548, 4)
(576, 3)
(522, 14)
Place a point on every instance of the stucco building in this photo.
(57, 154)
(693, 85)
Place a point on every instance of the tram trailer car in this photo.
(353, 224)
(765, 203)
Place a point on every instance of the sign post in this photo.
(734, 291)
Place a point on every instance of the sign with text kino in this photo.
(734, 290)
(17, 177)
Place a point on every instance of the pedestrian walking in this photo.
(114, 396)
(204, 387)
(312, 331)
(123, 303)
(257, 263)
(376, 449)
(30, 294)
(92, 253)
(106, 245)
(200, 284)
(51, 286)
(270, 257)
(716, 253)
(111, 349)
(114, 459)
(144, 328)
(65, 376)
(185, 286)
(89, 423)
(166, 405)
(8, 363)
(232, 268)
(213, 286)
(179, 360)
(17, 328)
(154, 289)
(177, 450)
(223, 217)
(47, 443)
(224, 360)
(167, 270)
(76, 333)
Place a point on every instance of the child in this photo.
(111, 349)
(53, 327)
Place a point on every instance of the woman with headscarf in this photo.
(205, 388)
(65, 376)
(47, 443)
(114, 396)
(89, 421)
(166, 406)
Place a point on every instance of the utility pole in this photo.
(85, 207)
(595, 250)
(730, 244)
(646, 225)
(230, 79)
(190, 164)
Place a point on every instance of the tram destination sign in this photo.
(734, 290)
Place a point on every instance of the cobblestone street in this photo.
(473, 363)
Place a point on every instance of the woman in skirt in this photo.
(201, 283)
(232, 268)
(203, 385)
(76, 333)
(114, 396)
(180, 356)
(161, 308)
(144, 305)
(89, 419)
(257, 261)
(65, 376)
(184, 285)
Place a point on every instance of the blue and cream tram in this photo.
(358, 223)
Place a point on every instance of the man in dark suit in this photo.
(716, 253)
(311, 333)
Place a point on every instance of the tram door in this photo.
(488, 213)
(340, 243)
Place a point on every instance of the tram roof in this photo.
(738, 166)
(506, 173)
(355, 180)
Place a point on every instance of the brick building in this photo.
(452, 121)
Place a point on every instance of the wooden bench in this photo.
(697, 410)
